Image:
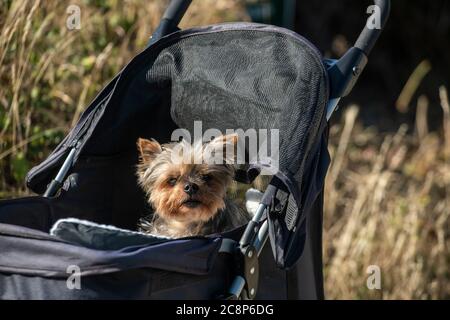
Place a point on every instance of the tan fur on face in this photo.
(156, 174)
(168, 200)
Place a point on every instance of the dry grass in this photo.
(387, 195)
(388, 204)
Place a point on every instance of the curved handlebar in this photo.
(170, 20)
(369, 35)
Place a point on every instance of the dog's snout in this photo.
(190, 188)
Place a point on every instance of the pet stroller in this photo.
(75, 239)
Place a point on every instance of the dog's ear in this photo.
(148, 149)
(224, 145)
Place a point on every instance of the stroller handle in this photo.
(170, 20)
(369, 36)
(176, 10)
(365, 42)
(345, 72)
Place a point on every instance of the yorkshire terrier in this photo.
(188, 196)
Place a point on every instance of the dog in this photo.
(189, 197)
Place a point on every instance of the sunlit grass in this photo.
(388, 204)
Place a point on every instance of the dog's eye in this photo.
(172, 181)
(206, 177)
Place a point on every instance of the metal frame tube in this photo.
(56, 183)
(369, 37)
(170, 20)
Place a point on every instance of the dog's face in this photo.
(190, 191)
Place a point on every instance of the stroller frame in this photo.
(343, 74)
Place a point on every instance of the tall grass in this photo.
(388, 204)
(387, 195)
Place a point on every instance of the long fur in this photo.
(224, 220)
(162, 175)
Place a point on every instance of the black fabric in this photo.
(128, 284)
(50, 256)
(229, 76)
(98, 189)
(287, 239)
(31, 212)
(33, 265)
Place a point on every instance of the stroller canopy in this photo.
(229, 76)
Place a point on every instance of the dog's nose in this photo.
(190, 188)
